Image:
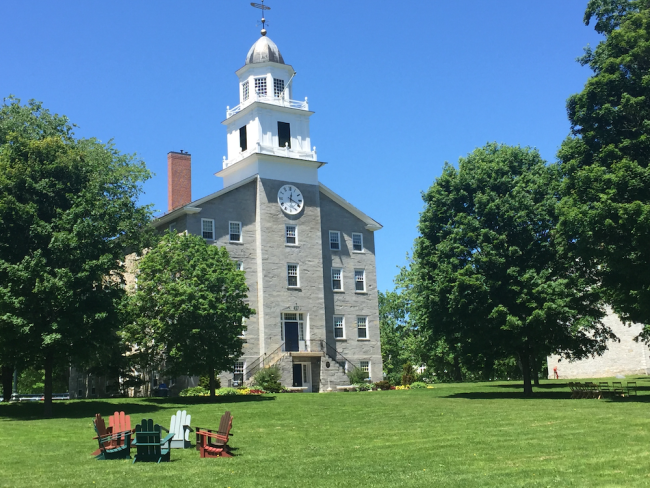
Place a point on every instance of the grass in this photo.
(478, 434)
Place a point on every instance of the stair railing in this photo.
(263, 361)
(335, 355)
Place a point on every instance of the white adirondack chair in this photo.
(180, 426)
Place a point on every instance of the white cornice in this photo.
(246, 67)
(267, 106)
(269, 157)
(371, 224)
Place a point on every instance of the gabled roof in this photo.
(192, 207)
(371, 224)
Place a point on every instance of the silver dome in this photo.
(264, 50)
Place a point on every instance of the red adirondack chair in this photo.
(119, 422)
(102, 432)
(215, 443)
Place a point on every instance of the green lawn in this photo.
(479, 434)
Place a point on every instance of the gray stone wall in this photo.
(350, 303)
(626, 357)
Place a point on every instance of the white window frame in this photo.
(239, 265)
(341, 328)
(203, 231)
(363, 274)
(286, 234)
(262, 82)
(297, 285)
(277, 89)
(230, 231)
(172, 227)
(245, 90)
(244, 322)
(365, 327)
(340, 270)
(361, 238)
(361, 367)
(242, 372)
(338, 237)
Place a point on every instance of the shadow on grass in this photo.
(551, 386)
(541, 395)
(76, 409)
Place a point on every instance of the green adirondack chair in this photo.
(148, 444)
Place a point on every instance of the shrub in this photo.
(204, 381)
(418, 385)
(356, 376)
(363, 387)
(268, 379)
(408, 374)
(193, 392)
(383, 385)
(226, 392)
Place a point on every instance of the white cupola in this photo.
(267, 125)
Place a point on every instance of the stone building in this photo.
(309, 255)
(625, 357)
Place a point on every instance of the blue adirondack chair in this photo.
(150, 447)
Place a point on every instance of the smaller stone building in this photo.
(626, 357)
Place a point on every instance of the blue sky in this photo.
(398, 87)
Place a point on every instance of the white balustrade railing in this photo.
(274, 151)
(282, 102)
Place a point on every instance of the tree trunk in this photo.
(212, 385)
(488, 369)
(534, 369)
(458, 372)
(7, 382)
(47, 394)
(525, 370)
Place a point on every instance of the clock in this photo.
(290, 199)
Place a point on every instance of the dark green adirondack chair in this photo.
(148, 444)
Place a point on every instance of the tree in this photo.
(190, 306)
(489, 277)
(605, 211)
(68, 210)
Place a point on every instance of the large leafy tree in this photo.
(189, 307)
(68, 209)
(489, 275)
(605, 216)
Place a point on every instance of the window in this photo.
(291, 234)
(235, 231)
(260, 86)
(359, 280)
(240, 265)
(172, 227)
(335, 240)
(365, 367)
(244, 90)
(357, 242)
(337, 279)
(238, 376)
(243, 139)
(207, 228)
(339, 327)
(284, 134)
(362, 327)
(292, 275)
(278, 87)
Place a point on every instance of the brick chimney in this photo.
(179, 179)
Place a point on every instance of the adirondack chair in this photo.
(180, 424)
(149, 444)
(119, 422)
(631, 388)
(102, 431)
(114, 446)
(215, 443)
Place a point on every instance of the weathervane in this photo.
(262, 7)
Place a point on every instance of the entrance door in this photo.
(291, 339)
(302, 376)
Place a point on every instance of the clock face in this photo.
(290, 199)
